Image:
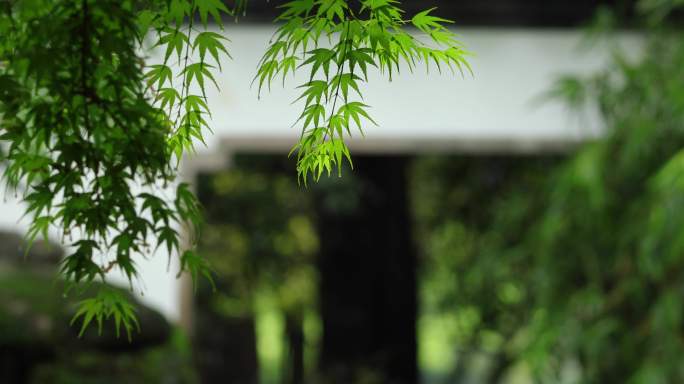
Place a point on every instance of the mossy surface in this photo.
(35, 314)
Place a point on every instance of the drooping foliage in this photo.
(92, 132)
(360, 36)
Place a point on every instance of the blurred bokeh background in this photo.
(525, 225)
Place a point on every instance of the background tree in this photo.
(577, 270)
(608, 241)
(468, 212)
(260, 237)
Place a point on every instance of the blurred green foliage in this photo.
(166, 364)
(473, 302)
(574, 272)
(260, 235)
(262, 243)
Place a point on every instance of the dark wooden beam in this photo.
(503, 13)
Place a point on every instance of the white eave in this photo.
(501, 108)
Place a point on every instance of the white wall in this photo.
(493, 110)
(513, 68)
